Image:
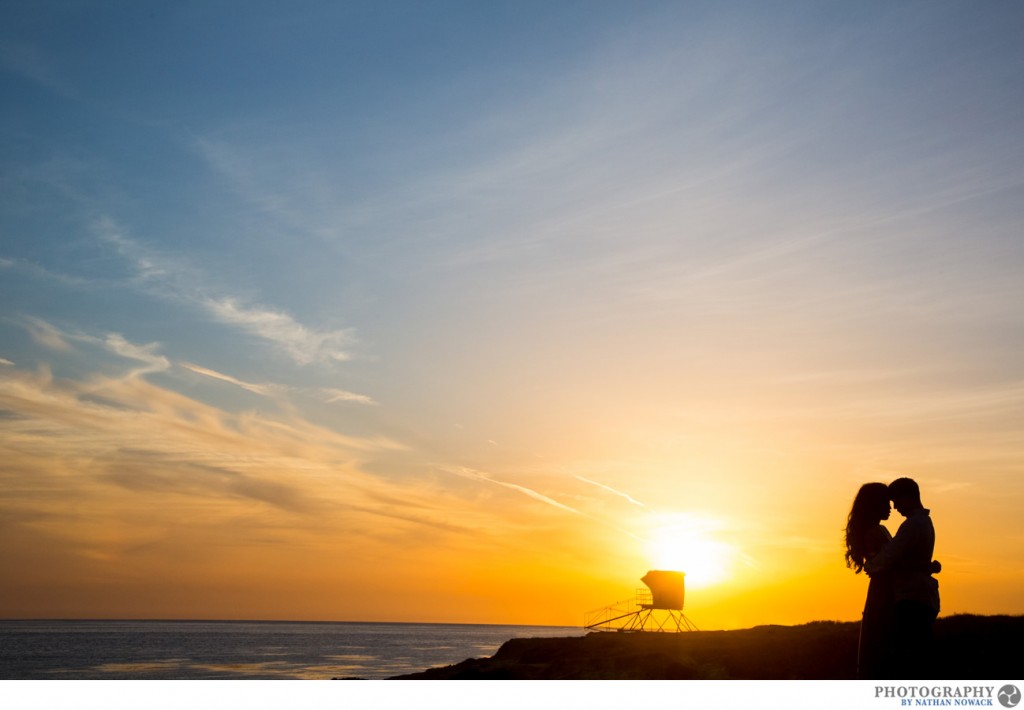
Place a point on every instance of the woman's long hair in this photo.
(864, 516)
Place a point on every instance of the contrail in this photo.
(478, 476)
(265, 390)
(628, 497)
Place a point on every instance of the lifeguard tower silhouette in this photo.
(657, 608)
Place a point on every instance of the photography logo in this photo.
(1009, 696)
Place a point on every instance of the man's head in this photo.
(905, 495)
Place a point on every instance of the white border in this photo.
(451, 695)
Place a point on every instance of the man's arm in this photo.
(892, 554)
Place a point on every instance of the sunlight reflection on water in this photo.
(243, 650)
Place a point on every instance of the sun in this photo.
(687, 545)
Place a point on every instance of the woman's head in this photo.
(872, 503)
(870, 507)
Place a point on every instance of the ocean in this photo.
(251, 650)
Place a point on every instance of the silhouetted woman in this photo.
(865, 536)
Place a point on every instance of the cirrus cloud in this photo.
(172, 279)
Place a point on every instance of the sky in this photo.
(475, 312)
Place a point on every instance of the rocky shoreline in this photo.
(967, 647)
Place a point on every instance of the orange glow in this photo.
(126, 498)
(686, 543)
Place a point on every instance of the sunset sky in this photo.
(477, 311)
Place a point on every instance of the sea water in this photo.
(145, 650)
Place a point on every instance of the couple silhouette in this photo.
(903, 596)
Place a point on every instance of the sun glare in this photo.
(687, 545)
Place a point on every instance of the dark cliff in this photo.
(967, 647)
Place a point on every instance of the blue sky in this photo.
(496, 253)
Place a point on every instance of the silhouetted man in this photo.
(909, 559)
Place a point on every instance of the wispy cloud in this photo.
(257, 389)
(150, 440)
(628, 497)
(40, 272)
(304, 345)
(326, 394)
(336, 395)
(46, 335)
(153, 361)
(147, 354)
(53, 338)
(480, 476)
(173, 279)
